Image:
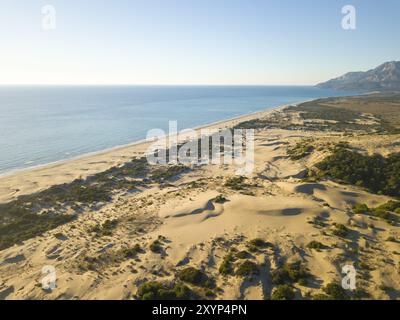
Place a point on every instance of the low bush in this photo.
(289, 273)
(384, 211)
(159, 291)
(390, 206)
(340, 230)
(316, 245)
(335, 291)
(300, 150)
(193, 276)
(105, 229)
(156, 246)
(283, 292)
(25, 225)
(361, 209)
(167, 172)
(257, 244)
(376, 173)
(247, 269)
(226, 267)
(220, 199)
(242, 254)
(132, 252)
(236, 183)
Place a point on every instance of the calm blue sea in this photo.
(43, 124)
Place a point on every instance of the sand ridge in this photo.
(182, 224)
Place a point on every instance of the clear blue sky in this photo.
(193, 41)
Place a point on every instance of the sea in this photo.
(46, 124)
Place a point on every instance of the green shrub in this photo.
(335, 292)
(340, 230)
(236, 183)
(382, 214)
(316, 245)
(167, 172)
(220, 199)
(99, 261)
(159, 291)
(279, 276)
(242, 254)
(131, 252)
(156, 246)
(27, 225)
(19, 219)
(289, 273)
(283, 292)
(105, 229)
(193, 276)
(390, 206)
(361, 209)
(247, 269)
(257, 244)
(378, 174)
(226, 267)
(300, 150)
(295, 271)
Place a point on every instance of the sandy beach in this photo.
(26, 181)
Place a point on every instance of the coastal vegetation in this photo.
(378, 174)
(383, 106)
(340, 230)
(161, 291)
(290, 273)
(257, 244)
(196, 277)
(104, 229)
(316, 245)
(101, 260)
(332, 291)
(119, 237)
(220, 199)
(156, 246)
(388, 211)
(236, 183)
(300, 150)
(226, 267)
(32, 215)
(283, 292)
(247, 269)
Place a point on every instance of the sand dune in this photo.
(180, 223)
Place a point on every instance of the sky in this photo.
(199, 42)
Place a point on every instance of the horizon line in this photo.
(156, 84)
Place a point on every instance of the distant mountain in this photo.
(383, 78)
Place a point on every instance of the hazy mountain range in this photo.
(385, 77)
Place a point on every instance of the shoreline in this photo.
(136, 142)
(143, 141)
(37, 178)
